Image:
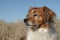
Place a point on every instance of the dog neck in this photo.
(45, 25)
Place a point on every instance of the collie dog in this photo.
(40, 24)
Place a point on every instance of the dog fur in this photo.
(40, 24)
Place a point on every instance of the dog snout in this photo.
(25, 20)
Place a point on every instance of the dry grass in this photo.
(17, 30)
(58, 27)
(12, 31)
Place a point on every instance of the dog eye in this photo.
(35, 14)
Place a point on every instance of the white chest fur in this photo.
(41, 34)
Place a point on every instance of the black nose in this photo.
(25, 20)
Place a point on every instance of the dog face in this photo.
(39, 16)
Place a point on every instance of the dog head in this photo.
(39, 16)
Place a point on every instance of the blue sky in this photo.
(13, 10)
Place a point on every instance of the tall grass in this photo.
(12, 31)
(58, 27)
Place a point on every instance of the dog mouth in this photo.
(32, 26)
(28, 25)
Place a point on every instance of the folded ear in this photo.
(50, 14)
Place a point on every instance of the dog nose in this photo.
(25, 20)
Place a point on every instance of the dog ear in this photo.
(49, 13)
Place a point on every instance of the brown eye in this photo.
(36, 15)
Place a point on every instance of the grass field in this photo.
(16, 30)
(58, 27)
(12, 31)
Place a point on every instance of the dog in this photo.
(40, 24)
